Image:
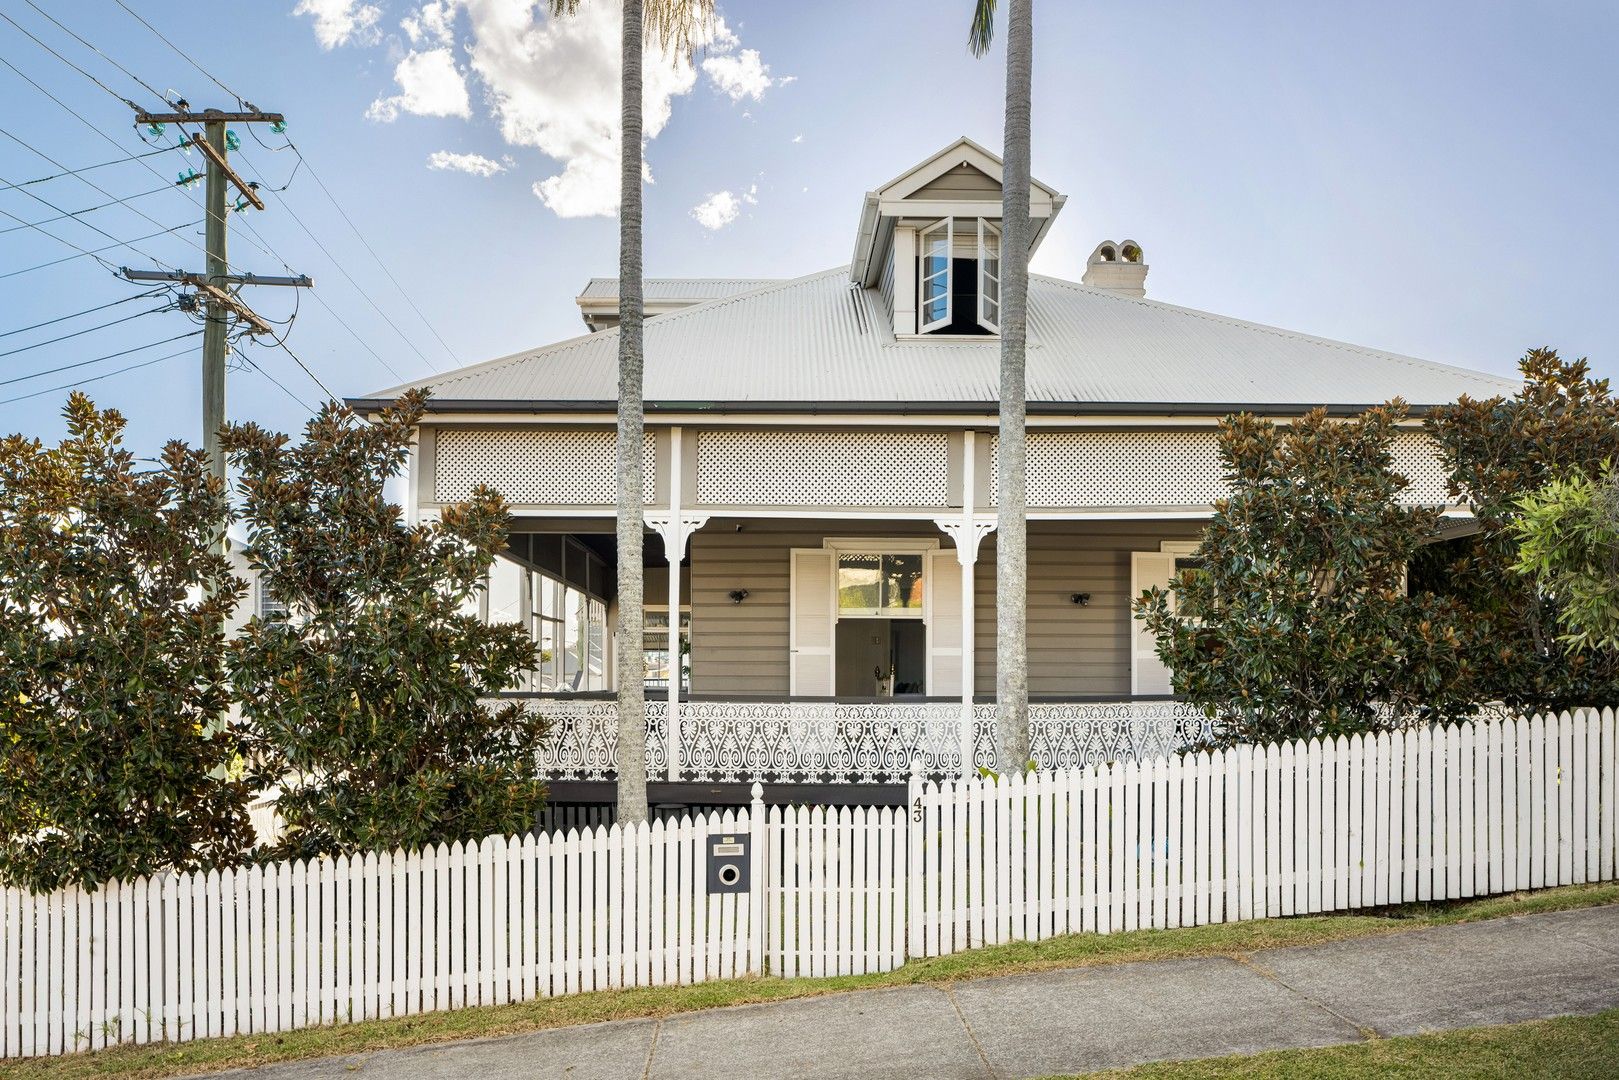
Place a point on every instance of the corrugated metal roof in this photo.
(819, 343)
(692, 289)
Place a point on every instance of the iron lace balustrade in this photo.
(852, 742)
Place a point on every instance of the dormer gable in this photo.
(929, 239)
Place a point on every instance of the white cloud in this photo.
(475, 164)
(738, 76)
(429, 84)
(338, 22)
(433, 23)
(718, 210)
(553, 84)
(798, 138)
(751, 196)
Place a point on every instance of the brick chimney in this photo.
(1117, 266)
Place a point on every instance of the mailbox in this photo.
(728, 863)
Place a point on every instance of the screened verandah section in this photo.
(831, 652)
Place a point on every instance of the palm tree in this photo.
(1011, 511)
(676, 25)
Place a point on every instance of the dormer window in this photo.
(958, 281)
(989, 276)
(934, 302)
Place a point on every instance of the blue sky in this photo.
(1431, 178)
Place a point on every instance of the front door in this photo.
(865, 619)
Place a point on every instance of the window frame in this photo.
(993, 325)
(684, 660)
(948, 226)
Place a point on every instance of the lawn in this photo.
(1231, 939)
(1569, 1048)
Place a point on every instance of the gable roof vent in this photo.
(1117, 266)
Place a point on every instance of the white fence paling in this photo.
(1323, 825)
(1255, 832)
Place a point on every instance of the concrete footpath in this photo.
(1494, 972)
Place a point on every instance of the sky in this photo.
(1430, 178)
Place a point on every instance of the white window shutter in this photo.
(943, 574)
(989, 276)
(812, 622)
(936, 250)
(1148, 674)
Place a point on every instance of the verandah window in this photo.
(879, 585)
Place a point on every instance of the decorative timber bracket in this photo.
(967, 534)
(675, 529)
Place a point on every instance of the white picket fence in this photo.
(1488, 807)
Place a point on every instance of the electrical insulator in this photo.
(155, 130)
(279, 127)
(232, 143)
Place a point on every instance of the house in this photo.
(820, 491)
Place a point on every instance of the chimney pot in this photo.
(1119, 267)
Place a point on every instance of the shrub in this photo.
(366, 703)
(1296, 621)
(113, 596)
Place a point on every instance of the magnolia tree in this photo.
(113, 762)
(368, 703)
(1295, 621)
(1561, 425)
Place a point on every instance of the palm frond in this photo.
(982, 31)
(560, 8)
(678, 26)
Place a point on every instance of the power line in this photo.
(81, 333)
(93, 252)
(116, 96)
(313, 377)
(85, 169)
(370, 250)
(149, 87)
(98, 359)
(95, 378)
(254, 364)
(87, 210)
(239, 99)
(357, 288)
(117, 243)
(80, 314)
(91, 183)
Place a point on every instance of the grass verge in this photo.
(1569, 1048)
(1077, 950)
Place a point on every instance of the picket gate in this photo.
(1487, 807)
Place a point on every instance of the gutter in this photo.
(897, 408)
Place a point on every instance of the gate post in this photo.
(758, 880)
(913, 848)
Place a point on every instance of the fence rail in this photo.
(1488, 807)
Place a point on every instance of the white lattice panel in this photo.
(535, 466)
(823, 468)
(1416, 458)
(1083, 469)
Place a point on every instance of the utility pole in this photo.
(212, 285)
(213, 334)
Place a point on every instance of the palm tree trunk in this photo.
(629, 642)
(1011, 513)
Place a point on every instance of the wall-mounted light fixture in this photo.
(1083, 599)
(738, 595)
